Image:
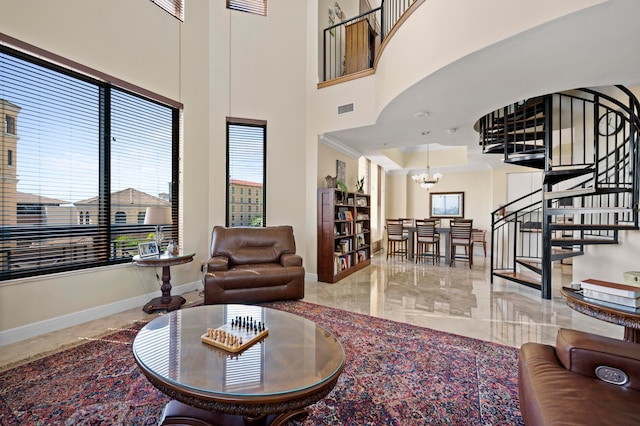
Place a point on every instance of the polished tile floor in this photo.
(452, 299)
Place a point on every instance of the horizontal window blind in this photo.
(259, 7)
(246, 171)
(79, 164)
(174, 7)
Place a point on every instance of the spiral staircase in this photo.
(585, 142)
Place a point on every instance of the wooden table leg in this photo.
(167, 301)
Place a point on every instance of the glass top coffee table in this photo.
(296, 364)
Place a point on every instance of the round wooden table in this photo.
(272, 381)
(616, 314)
(166, 301)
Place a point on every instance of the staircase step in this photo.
(535, 160)
(531, 107)
(560, 254)
(569, 241)
(558, 175)
(532, 263)
(588, 210)
(568, 193)
(516, 125)
(517, 139)
(520, 278)
(593, 226)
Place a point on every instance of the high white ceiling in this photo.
(597, 46)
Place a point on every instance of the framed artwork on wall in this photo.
(446, 204)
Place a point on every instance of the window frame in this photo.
(261, 209)
(106, 227)
(256, 7)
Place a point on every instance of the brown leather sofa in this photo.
(253, 265)
(566, 385)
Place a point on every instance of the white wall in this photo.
(189, 63)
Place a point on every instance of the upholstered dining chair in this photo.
(478, 236)
(460, 236)
(427, 241)
(397, 241)
(406, 221)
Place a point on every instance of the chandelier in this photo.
(426, 180)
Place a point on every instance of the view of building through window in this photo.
(246, 153)
(80, 162)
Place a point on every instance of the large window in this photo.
(174, 7)
(88, 158)
(246, 169)
(258, 7)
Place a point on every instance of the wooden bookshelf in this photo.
(344, 233)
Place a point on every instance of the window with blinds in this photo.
(259, 7)
(174, 7)
(79, 163)
(246, 172)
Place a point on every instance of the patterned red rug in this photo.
(396, 374)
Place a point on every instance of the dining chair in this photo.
(478, 236)
(460, 236)
(406, 222)
(397, 241)
(427, 241)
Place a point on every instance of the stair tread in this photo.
(534, 265)
(520, 278)
(555, 176)
(580, 241)
(587, 210)
(594, 226)
(568, 193)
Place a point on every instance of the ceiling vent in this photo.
(343, 109)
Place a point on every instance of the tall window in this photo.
(259, 7)
(174, 7)
(86, 149)
(246, 167)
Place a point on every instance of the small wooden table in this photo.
(166, 301)
(616, 314)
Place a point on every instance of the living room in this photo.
(208, 64)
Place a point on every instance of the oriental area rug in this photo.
(396, 374)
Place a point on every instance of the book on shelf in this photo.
(344, 246)
(348, 215)
(360, 240)
(632, 302)
(617, 289)
(362, 255)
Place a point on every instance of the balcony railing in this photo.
(352, 45)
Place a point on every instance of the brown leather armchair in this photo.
(585, 380)
(253, 265)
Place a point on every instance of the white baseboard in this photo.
(310, 277)
(58, 323)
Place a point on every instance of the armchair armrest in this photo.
(290, 259)
(583, 353)
(218, 263)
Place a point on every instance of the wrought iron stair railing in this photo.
(589, 190)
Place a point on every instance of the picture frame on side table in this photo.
(446, 204)
(149, 249)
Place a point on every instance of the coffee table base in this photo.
(170, 303)
(177, 413)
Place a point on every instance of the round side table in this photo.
(166, 301)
